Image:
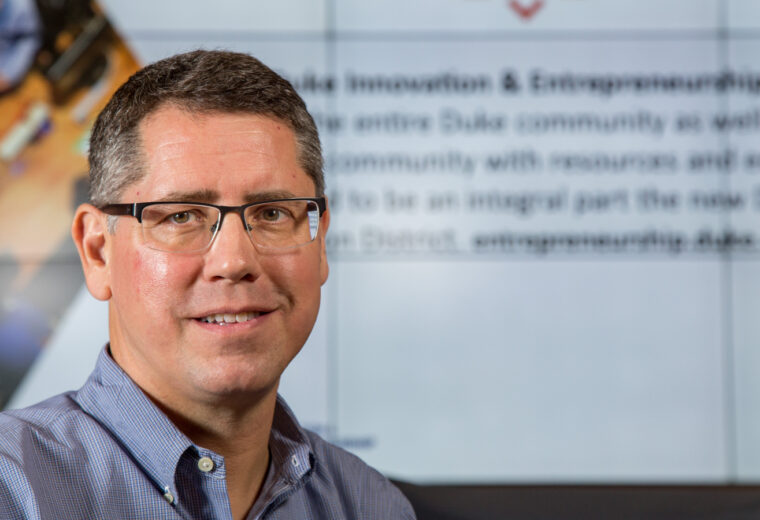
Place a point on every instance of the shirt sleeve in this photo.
(391, 504)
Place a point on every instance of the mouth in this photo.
(228, 318)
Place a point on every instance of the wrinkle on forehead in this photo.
(214, 143)
(207, 133)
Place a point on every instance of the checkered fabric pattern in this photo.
(107, 452)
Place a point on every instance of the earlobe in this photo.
(90, 234)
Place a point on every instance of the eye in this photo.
(272, 214)
(183, 217)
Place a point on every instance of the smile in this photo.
(226, 318)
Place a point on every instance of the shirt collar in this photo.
(112, 398)
(290, 447)
(292, 459)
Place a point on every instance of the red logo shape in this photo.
(526, 12)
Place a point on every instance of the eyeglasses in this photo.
(190, 227)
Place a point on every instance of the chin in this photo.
(236, 381)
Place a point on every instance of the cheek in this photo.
(148, 281)
(299, 280)
(151, 279)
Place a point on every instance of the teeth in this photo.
(223, 319)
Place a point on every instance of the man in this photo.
(205, 233)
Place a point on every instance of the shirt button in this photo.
(205, 464)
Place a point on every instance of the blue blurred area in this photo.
(24, 329)
(23, 332)
(19, 40)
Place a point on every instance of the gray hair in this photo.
(199, 81)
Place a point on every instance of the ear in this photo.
(323, 225)
(91, 236)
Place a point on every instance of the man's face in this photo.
(158, 298)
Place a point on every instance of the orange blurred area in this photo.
(40, 170)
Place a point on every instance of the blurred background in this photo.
(544, 238)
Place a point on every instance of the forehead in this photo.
(218, 152)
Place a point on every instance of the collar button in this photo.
(205, 464)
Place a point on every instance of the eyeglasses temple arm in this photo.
(120, 209)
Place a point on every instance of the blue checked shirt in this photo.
(107, 452)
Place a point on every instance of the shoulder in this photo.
(47, 416)
(47, 439)
(45, 434)
(33, 440)
(363, 490)
(56, 418)
(50, 437)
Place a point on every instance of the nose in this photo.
(232, 255)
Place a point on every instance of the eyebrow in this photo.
(211, 196)
(188, 196)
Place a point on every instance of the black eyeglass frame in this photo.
(135, 209)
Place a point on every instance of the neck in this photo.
(240, 435)
(237, 426)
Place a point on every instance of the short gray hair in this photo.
(199, 81)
